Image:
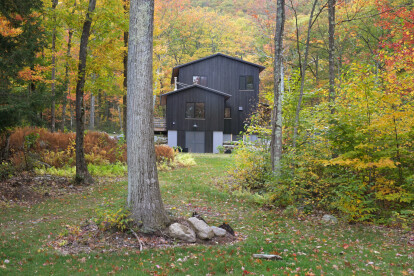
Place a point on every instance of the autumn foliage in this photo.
(355, 160)
(164, 153)
(58, 149)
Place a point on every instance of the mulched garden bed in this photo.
(89, 238)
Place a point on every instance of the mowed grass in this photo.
(307, 246)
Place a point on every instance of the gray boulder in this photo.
(329, 219)
(203, 231)
(219, 232)
(182, 232)
(267, 256)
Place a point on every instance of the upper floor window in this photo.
(194, 111)
(201, 80)
(246, 83)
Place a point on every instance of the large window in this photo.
(201, 80)
(194, 111)
(246, 83)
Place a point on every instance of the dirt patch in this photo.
(28, 188)
(89, 238)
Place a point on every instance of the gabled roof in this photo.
(176, 69)
(164, 96)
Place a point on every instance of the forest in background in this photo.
(353, 155)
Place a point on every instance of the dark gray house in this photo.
(212, 99)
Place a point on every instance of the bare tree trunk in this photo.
(331, 32)
(82, 174)
(71, 116)
(52, 111)
(98, 104)
(92, 113)
(67, 82)
(124, 98)
(302, 78)
(297, 37)
(144, 196)
(317, 70)
(119, 116)
(276, 141)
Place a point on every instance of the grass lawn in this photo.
(308, 247)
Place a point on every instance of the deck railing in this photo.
(160, 124)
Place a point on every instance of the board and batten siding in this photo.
(223, 75)
(213, 111)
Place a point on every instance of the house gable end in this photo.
(176, 69)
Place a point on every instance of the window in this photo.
(201, 80)
(194, 111)
(246, 83)
(227, 113)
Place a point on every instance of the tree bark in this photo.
(331, 32)
(302, 78)
(124, 98)
(98, 108)
(144, 196)
(67, 81)
(53, 115)
(297, 38)
(92, 113)
(118, 106)
(276, 140)
(82, 174)
(317, 70)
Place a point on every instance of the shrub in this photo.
(185, 160)
(113, 217)
(252, 165)
(164, 153)
(180, 160)
(58, 149)
(58, 159)
(220, 149)
(6, 170)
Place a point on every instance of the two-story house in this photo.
(212, 99)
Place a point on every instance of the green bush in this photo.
(7, 170)
(252, 168)
(113, 217)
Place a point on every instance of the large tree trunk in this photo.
(53, 115)
(331, 32)
(144, 196)
(302, 78)
(276, 141)
(82, 174)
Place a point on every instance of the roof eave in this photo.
(163, 97)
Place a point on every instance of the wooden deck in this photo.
(160, 125)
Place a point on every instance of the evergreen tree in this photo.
(20, 39)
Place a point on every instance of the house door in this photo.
(195, 141)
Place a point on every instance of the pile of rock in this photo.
(194, 228)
